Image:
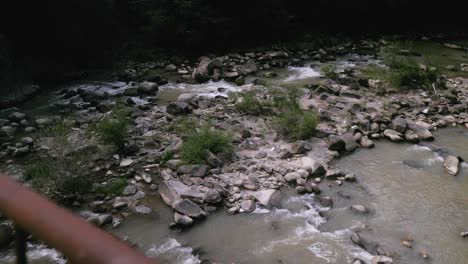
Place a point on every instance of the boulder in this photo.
(179, 108)
(336, 143)
(172, 191)
(16, 116)
(366, 142)
(249, 67)
(267, 198)
(382, 260)
(451, 165)
(189, 208)
(129, 190)
(292, 177)
(202, 72)
(393, 135)
(324, 201)
(350, 142)
(299, 147)
(197, 170)
(411, 137)
(399, 124)
(126, 163)
(182, 220)
(213, 160)
(247, 206)
(360, 209)
(422, 132)
(149, 88)
(212, 197)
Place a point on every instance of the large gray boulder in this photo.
(197, 170)
(393, 135)
(399, 124)
(172, 191)
(350, 142)
(451, 165)
(189, 208)
(267, 198)
(149, 88)
(421, 131)
(182, 220)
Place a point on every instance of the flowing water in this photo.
(409, 195)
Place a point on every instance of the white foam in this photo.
(299, 73)
(209, 88)
(38, 253)
(323, 251)
(173, 249)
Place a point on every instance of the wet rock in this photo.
(382, 260)
(146, 178)
(21, 152)
(149, 88)
(366, 142)
(142, 209)
(422, 132)
(406, 243)
(182, 220)
(292, 176)
(16, 116)
(247, 206)
(171, 67)
(336, 143)
(189, 208)
(213, 160)
(26, 141)
(129, 190)
(6, 236)
(299, 147)
(179, 108)
(118, 205)
(393, 135)
(172, 191)
(451, 165)
(267, 198)
(452, 46)
(104, 219)
(197, 170)
(126, 163)
(360, 209)
(358, 261)
(212, 197)
(464, 234)
(42, 122)
(350, 142)
(248, 67)
(173, 163)
(411, 137)
(399, 124)
(324, 201)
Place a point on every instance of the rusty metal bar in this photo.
(21, 239)
(79, 241)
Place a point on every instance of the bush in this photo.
(38, 172)
(113, 129)
(295, 123)
(114, 187)
(195, 146)
(330, 72)
(167, 155)
(249, 103)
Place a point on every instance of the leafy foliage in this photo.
(113, 129)
(203, 139)
(295, 123)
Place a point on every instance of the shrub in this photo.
(38, 172)
(114, 187)
(330, 72)
(167, 155)
(295, 123)
(249, 103)
(195, 146)
(113, 129)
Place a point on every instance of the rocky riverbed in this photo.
(354, 112)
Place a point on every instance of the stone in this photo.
(16, 116)
(452, 46)
(42, 122)
(422, 132)
(298, 147)
(324, 201)
(26, 141)
(118, 205)
(381, 260)
(350, 142)
(312, 188)
(189, 208)
(21, 152)
(129, 190)
(360, 209)
(267, 198)
(171, 67)
(197, 170)
(142, 209)
(411, 137)
(149, 88)
(247, 206)
(358, 261)
(464, 234)
(292, 176)
(301, 189)
(212, 197)
(393, 135)
(146, 178)
(356, 239)
(182, 220)
(213, 160)
(399, 124)
(126, 163)
(248, 67)
(366, 142)
(178, 108)
(336, 143)
(104, 219)
(451, 165)
(172, 191)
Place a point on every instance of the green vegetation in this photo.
(115, 187)
(113, 129)
(167, 155)
(330, 72)
(295, 123)
(249, 103)
(402, 71)
(203, 139)
(60, 172)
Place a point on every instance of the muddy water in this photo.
(411, 196)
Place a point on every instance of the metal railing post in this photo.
(21, 238)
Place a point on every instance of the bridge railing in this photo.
(79, 241)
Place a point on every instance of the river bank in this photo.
(354, 112)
